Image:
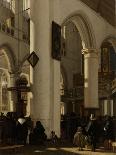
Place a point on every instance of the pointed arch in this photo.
(11, 58)
(84, 27)
(111, 39)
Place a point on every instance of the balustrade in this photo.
(11, 32)
(73, 94)
(9, 4)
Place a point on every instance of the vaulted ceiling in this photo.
(106, 9)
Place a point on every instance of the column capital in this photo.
(89, 51)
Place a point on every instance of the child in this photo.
(79, 138)
(54, 137)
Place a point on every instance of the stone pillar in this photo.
(56, 98)
(12, 84)
(41, 73)
(73, 106)
(0, 92)
(65, 107)
(18, 18)
(56, 117)
(46, 74)
(18, 27)
(90, 78)
(13, 93)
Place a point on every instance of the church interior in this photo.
(57, 60)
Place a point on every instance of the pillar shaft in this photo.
(46, 74)
(13, 93)
(14, 100)
(18, 18)
(0, 93)
(90, 78)
(41, 73)
(56, 99)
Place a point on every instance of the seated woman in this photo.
(38, 135)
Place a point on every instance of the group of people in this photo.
(30, 135)
(92, 133)
(20, 130)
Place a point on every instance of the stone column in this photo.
(13, 93)
(41, 73)
(18, 27)
(90, 78)
(12, 84)
(18, 18)
(56, 98)
(0, 92)
(46, 74)
(73, 106)
(56, 117)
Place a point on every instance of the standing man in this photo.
(92, 131)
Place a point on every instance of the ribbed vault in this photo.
(106, 9)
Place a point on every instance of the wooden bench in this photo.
(12, 148)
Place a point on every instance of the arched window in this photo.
(108, 57)
(105, 58)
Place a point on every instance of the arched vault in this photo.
(84, 27)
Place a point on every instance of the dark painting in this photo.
(56, 41)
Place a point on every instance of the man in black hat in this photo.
(92, 131)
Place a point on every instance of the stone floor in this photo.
(51, 150)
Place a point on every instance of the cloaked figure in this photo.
(92, 129)
(108, 132)
(21, 130)
(38, 135)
